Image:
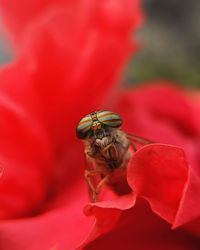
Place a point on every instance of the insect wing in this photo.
(137, 140)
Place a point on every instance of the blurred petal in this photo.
(30, 164)
(25, 152)
(147, 112)
(78, 63)
(19, 17)
(16, 19)
(56, 229)
(53, 84)
(36, 164)
(63, 71)
(153, 100)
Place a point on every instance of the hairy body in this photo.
(107, 148)
(108, 158)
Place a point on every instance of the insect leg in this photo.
(90, 185)
(90, 173)
(110, 151)
(102, 183)
(133, 146)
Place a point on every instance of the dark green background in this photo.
(170, 41)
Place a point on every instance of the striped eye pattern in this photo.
(104, 118)
(84, 126)
(109, 118)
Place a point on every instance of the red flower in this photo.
(70, 56)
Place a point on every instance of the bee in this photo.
(108, 149)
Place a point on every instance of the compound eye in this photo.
(109, 118)
(84, 127)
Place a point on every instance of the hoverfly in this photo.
(108, 149)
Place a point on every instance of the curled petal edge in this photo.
(177, 193)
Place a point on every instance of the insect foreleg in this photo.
(110, 151)
(95, 191)
(101, 184)
(88, 175)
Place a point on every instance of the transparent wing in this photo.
(138, 141)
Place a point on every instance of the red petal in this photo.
(159, 173)
(54, 75)
(56, 81)
(54, 229)
(107, 212)
(153, 101)
(140, 229)
(18, 18)
(25, 151)
(85, 59)
(147, 112)
(18, 15)
(189, 207)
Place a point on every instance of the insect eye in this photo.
(83, 127)
(109, 118)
